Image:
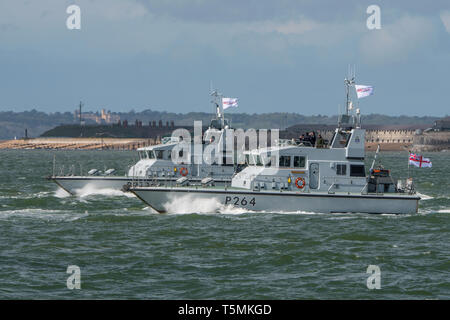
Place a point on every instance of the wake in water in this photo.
(90, 190)
(189, 204)
(424, 196)
(61, 193)
(22, 195)
(48, 215)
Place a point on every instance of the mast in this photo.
(217, 103)
(349, 82)
(81, 119)
(347, 116)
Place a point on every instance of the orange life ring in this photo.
(183, 171)
(302, 185)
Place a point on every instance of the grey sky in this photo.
(281, 55)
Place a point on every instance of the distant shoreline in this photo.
(135, 143)
(77, 143)
(13, 124)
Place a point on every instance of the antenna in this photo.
(81, 120)
(375, 158)
(81, 105)
(217, 103)
(349, 82)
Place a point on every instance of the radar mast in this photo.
(348, 120)
(220, 120)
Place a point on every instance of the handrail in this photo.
(343, 177)
(331, 186)
(365, 186)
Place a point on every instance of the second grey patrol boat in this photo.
(292, 176)
(155, 163)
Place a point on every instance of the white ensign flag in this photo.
(363, 91)
(229, 103)
(419, 161)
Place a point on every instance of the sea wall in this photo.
(78, 143)
(389, 140)
(390, 136)
(400, 140)
(432, 141)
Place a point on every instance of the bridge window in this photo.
(151, 155)
(357, 170)
(285, 161)
(159, 154)
(299, 162)
(341, 169)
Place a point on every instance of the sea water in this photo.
(203, 250)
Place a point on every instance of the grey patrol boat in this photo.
(155, 163)
(295, 176)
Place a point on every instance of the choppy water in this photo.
(126, 251)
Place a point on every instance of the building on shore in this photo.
(104, 117)
(442, 124)
(390, 138)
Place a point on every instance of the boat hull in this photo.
(162, 199)
(75, 184)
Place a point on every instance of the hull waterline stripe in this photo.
(277, 193)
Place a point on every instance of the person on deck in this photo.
(312, 136)
(320, 142)
(302, 138)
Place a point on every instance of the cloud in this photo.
(116, 10)
(298, 26)
(445, 18)
(129, 52)
(184, 29)
(395, 42)
(24, 13)
(213, 11)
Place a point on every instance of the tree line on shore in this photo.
(13, 124)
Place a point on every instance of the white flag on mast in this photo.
(229, 103)
(419, 161)
(363, 91)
